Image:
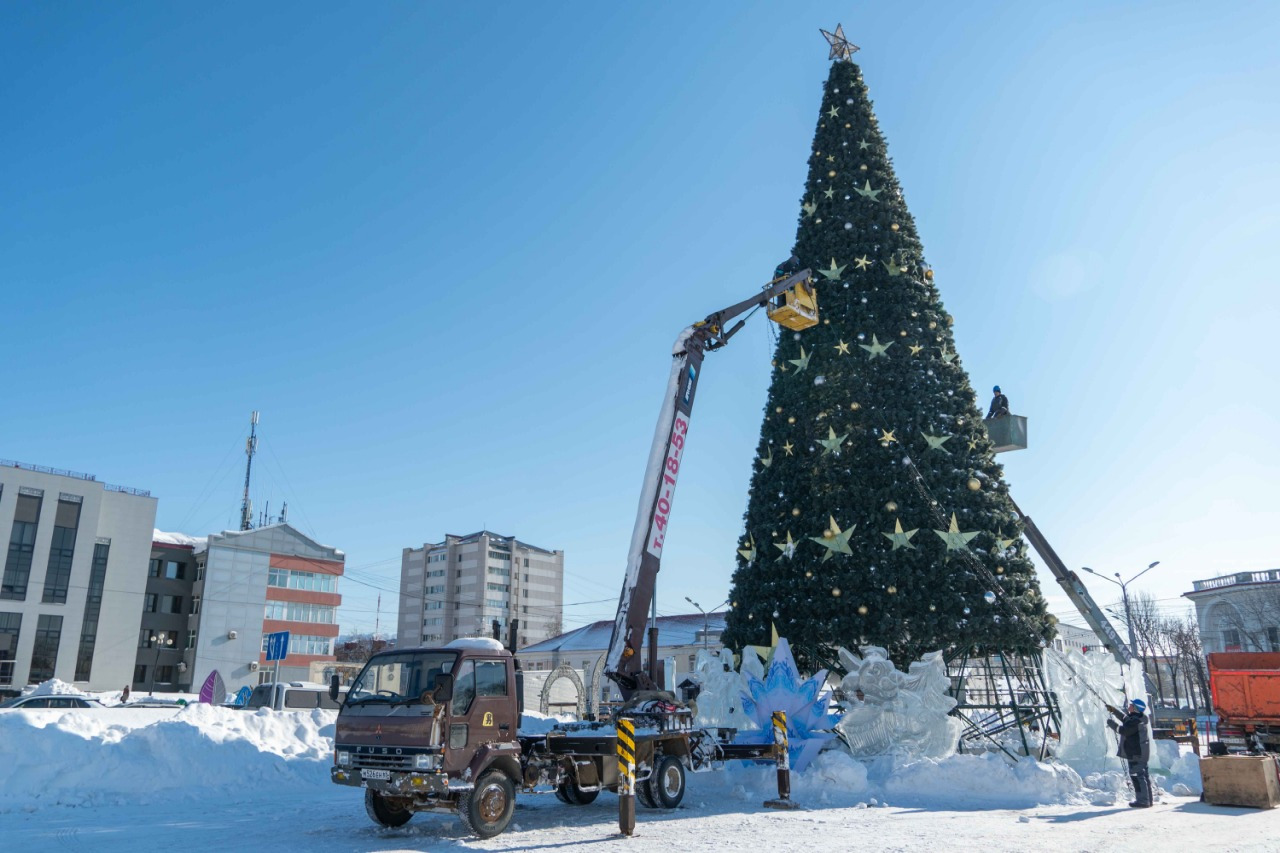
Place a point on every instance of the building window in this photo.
(524, 593)
(495, 603)
(435, 589)
(526, 575)
(436, 573)
(500, 570)
(149, 602)
(294, 611)
(10, 627)
(44, 656)
(140, 674)
(174, 570)
(22, 546)
(526, 565)
(170, 604)
(144, 638)
(1273, 639)
(459, 558)
(164, 674)
(497, 587)
(434, 605)
(1231, 639)
(153, 570)
(61, 551)
(432, 621)
(191, 639)
(524, 608)
(92, 609)
(499, 555)
(311, 581)
(199, 571)
(195, 605)
(305, 644)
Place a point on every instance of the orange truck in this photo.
(1246, 697)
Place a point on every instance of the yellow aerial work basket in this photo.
(796, 309)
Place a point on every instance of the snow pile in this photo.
(130, 757)
(982, 781)
(1180, 769)
(196, 543)
(53, 687)
(533, 723)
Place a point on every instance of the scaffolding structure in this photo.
(1005, 704)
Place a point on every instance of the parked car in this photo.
(28, 703)
(294, 696)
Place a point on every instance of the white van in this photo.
(294, 696)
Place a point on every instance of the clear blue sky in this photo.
(444, 248)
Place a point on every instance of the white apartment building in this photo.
(74, 576)
(459, 587)
(1239, 612)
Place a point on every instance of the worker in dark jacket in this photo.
(999, 404)
(790, 266)
(1135, 747)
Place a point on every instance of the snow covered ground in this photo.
(204, 778)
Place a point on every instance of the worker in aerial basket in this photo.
(999, 404)
(790, 266)
(1135, 747)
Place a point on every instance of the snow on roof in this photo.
(54, 687)
(682, 630)
(193, 542)
(488, 644)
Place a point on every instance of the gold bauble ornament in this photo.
(808, 574)
(835, 591)
(831, 174)
(826, 322)
(999, 570)
(933, 324)
(828, 534)
(891, 506)
(795, 510)
(950, 320)
(928, 275)
(974, 484)
(862, 610)
(778, 410)
(855, 406)
(892, 590)
(902, 333)
(863, 167)
(791, 419)
(932, 608)
(893, 227)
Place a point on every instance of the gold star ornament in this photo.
(831, 444)
(788, 447)
(842, 348)
(956, 541)
(876, 348)
(802, 362)
(749, 553)
(835, 540)
(899, 537)
(833, 272)
(862, 263)
(788, 548)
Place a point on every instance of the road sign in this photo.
(277, 645)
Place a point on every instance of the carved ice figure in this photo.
(1084, 685)
(809, 720)
(719, 701)
(896, 713)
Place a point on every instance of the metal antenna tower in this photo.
(250, 447)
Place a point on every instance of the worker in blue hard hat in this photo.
(1135, 748)
(999, 404)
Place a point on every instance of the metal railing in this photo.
(1269, 576)
(62, 472)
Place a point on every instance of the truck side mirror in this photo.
(333, 687)
(443, 691)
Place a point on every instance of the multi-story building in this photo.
(254, 582)
(75, 573)
(459, 587)
(167, 635)
(1074, 637)
(1239, 612)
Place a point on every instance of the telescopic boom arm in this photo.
(623, 662)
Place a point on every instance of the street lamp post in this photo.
(1128, 612)
(706, 621)
(159, 640)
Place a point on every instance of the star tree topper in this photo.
(841, 47)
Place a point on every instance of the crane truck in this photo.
(437, 729)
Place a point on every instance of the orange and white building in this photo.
(255, 582)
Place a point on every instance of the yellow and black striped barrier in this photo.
(626, 775)
(782, 756)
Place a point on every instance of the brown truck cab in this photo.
(433, 729)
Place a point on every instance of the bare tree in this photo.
(1147, 625)
(357, 648)
(1185, 633)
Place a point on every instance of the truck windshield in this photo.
(400, 677)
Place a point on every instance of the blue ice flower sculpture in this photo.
(809, 724)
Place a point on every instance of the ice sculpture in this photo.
(1085, 684)
(810, 723)
(719, 702)
(896, 713)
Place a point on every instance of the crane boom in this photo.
(623, 662)
(1076, 591)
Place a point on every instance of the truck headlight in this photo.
(344, 758)
(424, 761)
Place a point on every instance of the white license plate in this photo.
(384, 775)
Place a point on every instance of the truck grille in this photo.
(382, 762)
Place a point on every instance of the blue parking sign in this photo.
(277, 645)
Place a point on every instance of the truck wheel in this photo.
(385, 812)
(569, 792)
(644, 795)
(666, 785)
(486, 810)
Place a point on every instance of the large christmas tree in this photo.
(877, 512)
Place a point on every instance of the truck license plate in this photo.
(384, 775)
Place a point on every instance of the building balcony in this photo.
(1238, 579)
